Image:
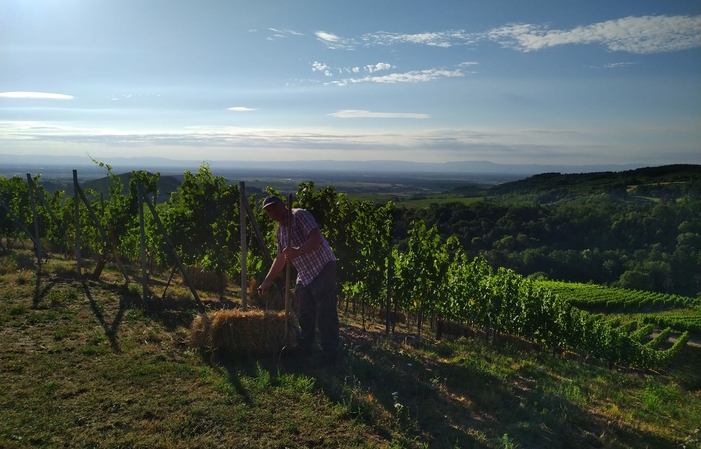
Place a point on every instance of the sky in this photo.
(511, 82)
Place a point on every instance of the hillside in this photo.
(636, 229)
(82, 365)
(166, 185)
(669, 181)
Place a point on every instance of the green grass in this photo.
(440, 198)
(414, 201)
(76, 370)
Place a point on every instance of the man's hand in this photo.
(263, 289)
(291, 252)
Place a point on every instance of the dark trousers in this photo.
(317, 307)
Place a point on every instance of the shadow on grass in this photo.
(686, 368)
(109, 329)
(40, 291)
(466, 394)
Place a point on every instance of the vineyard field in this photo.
(596, 297)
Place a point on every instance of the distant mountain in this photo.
(171, 165)
(166, 185)
(664, 181)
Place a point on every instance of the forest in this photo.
(639, 229)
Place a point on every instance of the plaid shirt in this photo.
(309, 264)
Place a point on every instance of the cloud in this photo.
(503, 144)
(639, 35)
(358, 113)
(442, 39)
(416, 76)
(321, 67)
(614, 65)
(286, 32)
(35, 95)
(335, 42)
(240, 109)
(282, 33)
(378, 67)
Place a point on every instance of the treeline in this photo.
(550, 226)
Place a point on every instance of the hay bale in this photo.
(454, 330)
(206, 280)
(274, 300)
(395, 317)
(234, 332)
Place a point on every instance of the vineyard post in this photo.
(98, 225)
(42, 200)
(35, 218)
(142, 236)
(259, 236)
(76, 204)
(16, 220)
(175, 254)
(389, 293)
(288, 265)
(242, 225)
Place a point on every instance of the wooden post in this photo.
(43, 201)
(76, 190)
(17, 222)
(242, 224)
(259, 236)
(175, 254)
(288, 265)
(142, 233)
(101, 229)
(388, 302)
(35, 217)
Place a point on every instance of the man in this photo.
(311, 255)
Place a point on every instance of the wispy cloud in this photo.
(35, 95)
(358, 113)
(286, 32)
(240, 109)
(615, 65)
(281, 33)
(335, 42)
(416, 76)
(640, 35)
(508, 145)
(443, 39)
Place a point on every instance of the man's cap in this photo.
(271, 199)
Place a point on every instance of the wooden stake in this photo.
(76, 189)
(288, 266)
(35, 217)
(242, 224)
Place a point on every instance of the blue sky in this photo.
(541, 82)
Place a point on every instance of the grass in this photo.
(415, 201)
(82, 365)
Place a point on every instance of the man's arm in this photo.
(275, 269)
(313, 240)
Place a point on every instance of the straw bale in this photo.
(395, 317)
(206, 280)
(234, 332)
(274, 300)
